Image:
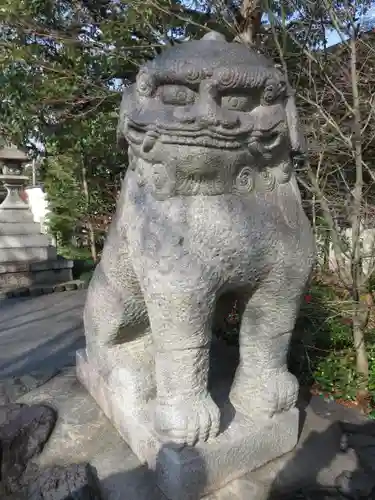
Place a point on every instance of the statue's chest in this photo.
(209, 230)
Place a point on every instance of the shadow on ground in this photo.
(48, 330)
(300, 478)
(42, 332)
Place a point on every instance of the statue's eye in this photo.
(177, 95)
(237, 102)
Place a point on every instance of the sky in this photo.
(334, 37)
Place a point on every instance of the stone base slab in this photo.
(13, 241)
(190, 473)
(28, 279)
(37, 290)
(20, 214)
(23, 267)
(15, 228)
(27, 254)
(17, 275)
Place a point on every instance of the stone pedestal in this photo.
(243, 445)
(26, 256)
(15, 275)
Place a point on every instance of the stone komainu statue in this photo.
(209, 209)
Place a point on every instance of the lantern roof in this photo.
(13, 153)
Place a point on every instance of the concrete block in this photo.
(23, 241)
(10, 228)
(56, 264)
(27, 254)
(27, 279)
(14, 267)
(13, 215)
(244, 445)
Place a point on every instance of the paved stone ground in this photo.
(39, 336)
(40, 333)
(84, 434)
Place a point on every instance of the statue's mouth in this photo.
(145, 137)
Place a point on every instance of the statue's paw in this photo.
(269, 394)
(187, 421)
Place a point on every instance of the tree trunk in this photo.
(251, 20)
(360, 305)
(90, 226)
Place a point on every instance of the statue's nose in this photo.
(206, 111)
(209, 110)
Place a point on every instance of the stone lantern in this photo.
(27, 260)
(12, 161)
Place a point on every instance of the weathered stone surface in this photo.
(84, 434)
(70, 286)
(8, 412)
(209, 207)
(28, 253)
(242, 446)
(74, 482)
(13, 388)
(19, 228)
(43, 332)
(16, 215)
(209, 210)
(310, 494)
(40, 334)
(361, 438)
(23, 241)
(22, 437)
(32, 266)
(19, 292)
(56, 264)
(44, 289)
(30, 278)
(355, 485)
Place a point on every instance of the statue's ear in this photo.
(124, 109)
(297, 140)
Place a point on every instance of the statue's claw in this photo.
(188, 421)
(268, 395)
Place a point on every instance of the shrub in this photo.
(322, 351)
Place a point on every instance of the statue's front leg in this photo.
(117, 327)
(180, 318)
(263, 383)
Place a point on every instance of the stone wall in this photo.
(367, 239)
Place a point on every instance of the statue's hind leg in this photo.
(116, 327)
(263, 383)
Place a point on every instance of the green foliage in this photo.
(64, 196)
(76, 254)
(84, 266)
(322, 351)
(63, 66)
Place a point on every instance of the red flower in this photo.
(308, 298)
(24, 196)
(347, 321)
